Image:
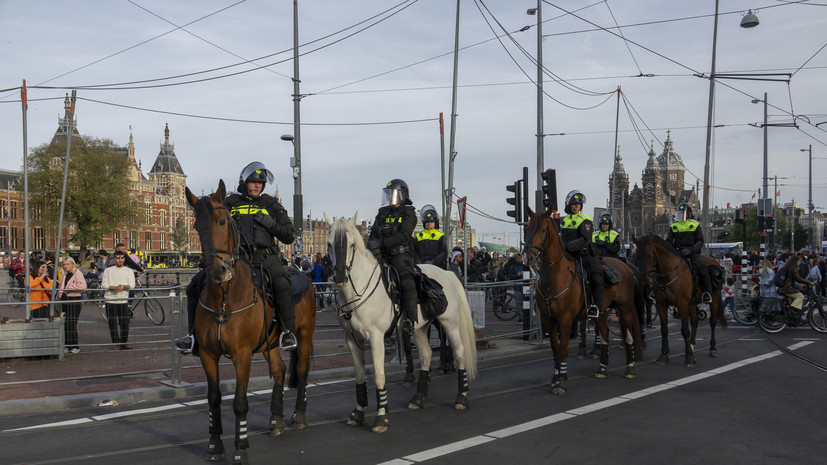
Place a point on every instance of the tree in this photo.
(97, 193)
(179, 238)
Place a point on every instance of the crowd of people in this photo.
(117, 273)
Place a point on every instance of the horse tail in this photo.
(466, 332)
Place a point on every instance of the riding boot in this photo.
(287, 313)
(186, 344)
(597, 301)
(706, 282)
(409, 318)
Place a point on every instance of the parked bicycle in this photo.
(776, 314)
(16, 294)
(504, 306)
(152, 307)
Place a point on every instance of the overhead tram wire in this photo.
(205, 40)
(136, 45)
(326, 91)
(624, 37)
(238, 120)
(114, 86)
(546, 71)
(481, 213)
(609, 94)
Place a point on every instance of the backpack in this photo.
(780, 277)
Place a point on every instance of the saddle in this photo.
(610, 275)
(298, 283)
(716, 274)
(429, 293)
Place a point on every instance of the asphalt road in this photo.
(754, 403)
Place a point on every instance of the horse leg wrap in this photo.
(299, 417)
(382, 399)
(277, 400)
(215, 422)
(418, 399)
(241, 441)
(362, 395)
(564, 370)
(604, 354)
(462, 381)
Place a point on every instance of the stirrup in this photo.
(706, 298)
(186, 344)
(287, 340)
(593, 311)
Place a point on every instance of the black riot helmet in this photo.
(428, 213)
(254, 172)
(606, 218)
(574, 197)
(683, 212)
(396, 193)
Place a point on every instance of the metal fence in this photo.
(500, 310)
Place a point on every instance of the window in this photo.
(4, 237)
(148, 240)
(39, 238)
(16, 243)
(15, 214)
(162, 219)
(164, 244)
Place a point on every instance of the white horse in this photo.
(366, 313)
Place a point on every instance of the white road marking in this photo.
(573, 413)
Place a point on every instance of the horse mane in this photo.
(344, 226)
(664, 243)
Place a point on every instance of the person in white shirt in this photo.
(118, 280)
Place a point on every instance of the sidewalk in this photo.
(60, 392)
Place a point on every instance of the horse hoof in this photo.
(689, 364)
(215, 450)
(663, 359)
(713, 352)
(462, 402)
(356, 418)
(581, 354)
(558, 391)
(601, 374)
(277, 426)
(409, 380)
(629, 374)
(240, 458)
(214, 457)
(299, 420)
(417, 401)
(381, 424)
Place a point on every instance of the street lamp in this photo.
(810, 200)
(295, 163)
(752, 22)
(538, 195)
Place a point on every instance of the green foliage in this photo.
(179, 236)
(97, 188)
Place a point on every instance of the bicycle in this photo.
(504, 305)
(745, 310)
(152, 307)
(778, 314)
(16, 294)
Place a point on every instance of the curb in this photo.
(128, 397)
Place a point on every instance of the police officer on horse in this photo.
(391, 238)
(577, 233)
(606, 239)
(433, 247)
(259, 217)
(685, 235)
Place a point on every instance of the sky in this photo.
(375, 75)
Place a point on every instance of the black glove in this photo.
(373, 245)
(600, 242)
(266, 220)
(686, 252)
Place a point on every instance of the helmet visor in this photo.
(258, 172)
(392, 197)
(681, 215)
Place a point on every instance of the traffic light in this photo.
(516, 200)
(739, 215)
(769, 222)
(761, 223)
(549, 188)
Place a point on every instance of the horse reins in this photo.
(541, 256)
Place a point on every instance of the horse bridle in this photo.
(655, 275)
(541, 259)
(348, 268)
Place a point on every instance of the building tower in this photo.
(618, 189)
(170, 179)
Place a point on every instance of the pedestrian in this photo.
(40, 283)
(18, 265)
(814, 275)
(117, 281)
(456, 264)
(101, 261)
(69, 293)
(728, 296)
(766, 277)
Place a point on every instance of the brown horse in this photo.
(234, 320)
(671, 280)
(560, 298)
